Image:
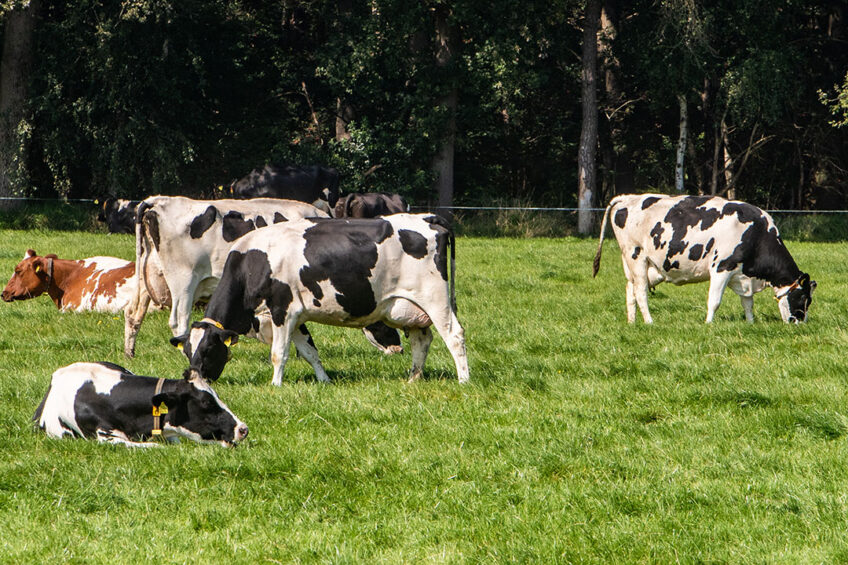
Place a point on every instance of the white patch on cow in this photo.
(58, 417)
(194, 338)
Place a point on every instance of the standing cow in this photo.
(188, 241)
(107, 402)
(339, 272)
(685, 239)
(314, 185)
(370, 205)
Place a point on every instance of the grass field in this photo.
(579, 438)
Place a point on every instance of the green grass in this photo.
(579, 438)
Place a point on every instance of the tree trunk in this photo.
(589, 129)
(681, 144)
(447, 41)
(14, 76)
(728, 162)
(344, 114)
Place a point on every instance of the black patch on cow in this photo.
(709, 246)
(695, 252)
(152, 220)
(256, 324)
(114, 367)
(235, 226)
(260, 222)
(344, 253)
(636, 251)
(668, 265)
(305, 331)
(684, 215)
(745, 213)
(620, 217)
(413, 243)
(279, 218)
(762, 255)
(657, 235)
(200, 224)
(649, 201)
(316, 302)
(383, 334)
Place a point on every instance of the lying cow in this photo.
(107, 402)
(188, 241)
(685, 239)
(370, 205)
(338, 272)
(118, 215)
(314, 185)
(100, 284)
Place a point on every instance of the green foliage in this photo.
(579, 439)
(838, 106)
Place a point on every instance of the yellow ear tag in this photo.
(96, 202)
(228, 341)
(157, 432)
(163, 408)
(156, 411)
(221, 187)
(38, 268)
(180, 346)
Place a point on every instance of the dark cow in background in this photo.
(99, 284)
(118, 215)
(370, 205)
(338, 272)
(314, 185)
(685, 239)
(107, 402)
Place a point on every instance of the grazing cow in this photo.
(118, 215)
(314, 185)
(370, 205)
(685, 239)
(188, 241)
(107, 402)
(339, 272)
(100, 284)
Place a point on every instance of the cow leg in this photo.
(446, 323)
(306, 347)
(419, 342)
(748, 305)
(744, 289)
(282, 338)
(629, 295)
(120, 438)
(639, 281)
(718, 282)
(133, 316)
(180, 318)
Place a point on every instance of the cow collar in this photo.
(158, 411)
(792, 287)
(49, 273)
(213, 322)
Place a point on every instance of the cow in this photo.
(99, 284)
(107, 402)
(338, 272)
(370, 205)
(316, 185)
(687, 239)
(118, 215)
(188, 241)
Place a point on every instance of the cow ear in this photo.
(229, 338)
(812, 287)
(179, 342)
(29, 253)
(804, 280)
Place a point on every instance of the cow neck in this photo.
(60, 273)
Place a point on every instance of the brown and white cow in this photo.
(99, 284)
(686, 239)
(370, 205)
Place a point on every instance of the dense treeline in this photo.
(149, 96)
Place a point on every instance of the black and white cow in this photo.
(316, 185)
(118, 215)
(370, 205)
(185, 243)
(107, 402)
(686, 239)
(338, 272)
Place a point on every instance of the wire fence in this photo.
(484, 221)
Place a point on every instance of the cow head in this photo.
(32, 277)
(207, 347)
(195, 412)
(118, 215)
(794, 299)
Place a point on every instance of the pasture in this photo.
(578, 439)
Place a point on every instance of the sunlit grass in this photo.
(578, 439)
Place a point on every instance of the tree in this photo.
(589, 130)
(447, 42)
(15, 69)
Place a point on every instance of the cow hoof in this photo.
(414, 376)
(393, 349)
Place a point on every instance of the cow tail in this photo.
(141, 269)
(452, 244)
(596, 265)
(348, 205)
(36, 418)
